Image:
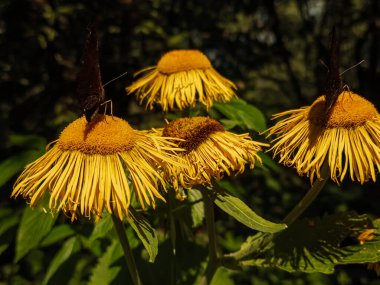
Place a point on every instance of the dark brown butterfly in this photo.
(90, 89)
(334, 80)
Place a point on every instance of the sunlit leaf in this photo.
(222, 276)
(243, 114)
(241, 212)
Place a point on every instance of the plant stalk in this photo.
(131, 264)
(261, 240)
(213, 261)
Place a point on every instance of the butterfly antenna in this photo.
(116, 78)
(355, 65)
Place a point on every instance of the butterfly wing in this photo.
(90, 89)
(334, 81)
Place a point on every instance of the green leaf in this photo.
(321, 244)
(197, 209)
(245, 115)
(102, 228)
(145, 232)
(269, 162)
(28, 141)
(106, 270)
(58, 233)
(241, 212)
(70, 247)
(14, 164)
(34, 226)
(8, 222)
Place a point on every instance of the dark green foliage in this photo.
(271, 50)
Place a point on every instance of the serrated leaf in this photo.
(321, 244)
(57, 233)
(145, 232)
(241, 212)
(197, 209)
(70, 247)
(14, 164)
(35, 224)
(106, 270)
(248, 116)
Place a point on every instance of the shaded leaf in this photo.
(57, 233)
(14, 164)
(145, 232)
(35, 224)
(101, 228)
(241, 212)
(8, 221)
(197, 209)
(319, 245)
(70, 247)
(28, 141)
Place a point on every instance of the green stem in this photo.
(261, 240)
(172, 233)
(309, 197)
(131, 264)
(213, 261)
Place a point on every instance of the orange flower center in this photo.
(182, 60)
(104, 135)
(193, 131)
(349, 111)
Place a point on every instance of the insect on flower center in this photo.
(104, 135)
(349, 111)
(193, 131)
(182, 60)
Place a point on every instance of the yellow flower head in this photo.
(210, 151)
(348, 138)
(96, 166)
(181, 78)
(366, 235)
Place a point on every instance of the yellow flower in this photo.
(99, 165)
(210, 150)
(348, 138)
(366, 235)
(179, 76)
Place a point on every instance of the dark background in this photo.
(270, 49)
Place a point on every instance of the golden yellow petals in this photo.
(211, 152)
(181, 79)
(348, 138)
(103, 165)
